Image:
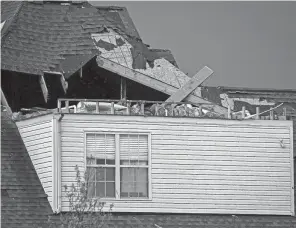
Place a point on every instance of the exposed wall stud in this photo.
(59, 106)
(257, 113)
(128, 110)
(97, 107)
(243, 112)
(271, 114)
(229, 112)
(285, 113)
(67, 106)
(112, 108)
(143, 109)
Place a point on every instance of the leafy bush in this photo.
(84, 212)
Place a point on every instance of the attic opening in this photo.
(98, 83)
(24, 90)
(21, 90)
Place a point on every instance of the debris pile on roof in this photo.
(30, 113)
(184, 110)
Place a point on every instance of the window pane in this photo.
(110, 189)
(142, 174)
(100, 174)
(101, 147)
(133, 149)
(91, 189)
(100, 161)
(100, 189)
(127, 174)
(134, 182)
(142, 189)
(110, 174)
(126, 188)
(110, 162)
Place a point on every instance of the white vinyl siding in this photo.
(198, 165)
(37, 136)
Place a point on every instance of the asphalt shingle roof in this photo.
(42, 35)
(23, 201)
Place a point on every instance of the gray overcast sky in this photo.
(247, 44)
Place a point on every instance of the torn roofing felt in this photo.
(50, 36)
(23, 201)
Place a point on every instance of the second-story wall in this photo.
(37, 135)
(198, 165)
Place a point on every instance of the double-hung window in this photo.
(118, 165)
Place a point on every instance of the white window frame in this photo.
(117, 161)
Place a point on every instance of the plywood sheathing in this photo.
(124, 54)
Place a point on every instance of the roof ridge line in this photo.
(8, 23)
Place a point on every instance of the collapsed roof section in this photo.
(61, 38)
(41, 36)
(236, 98)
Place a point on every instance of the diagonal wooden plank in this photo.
(191, 85)
(154, 83)
(64, 83)
(5, 103)
(43, 87)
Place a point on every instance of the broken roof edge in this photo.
(243, 89)
(17, 117)
(166, 54)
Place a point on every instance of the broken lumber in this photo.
(154, 83)
(43, 87)
(5, 103)
(191, 85)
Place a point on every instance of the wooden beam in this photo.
(80, 72)
(62, 79)
(64, 83)
(154, 83)
(5, 103)
(191, 85)
(43, 87)
(123, 88)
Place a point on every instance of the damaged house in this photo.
(79, 87)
